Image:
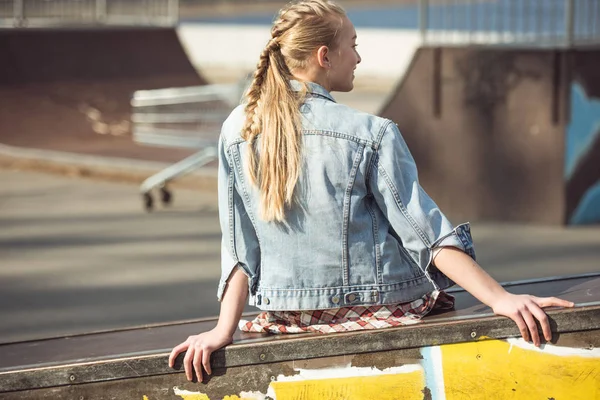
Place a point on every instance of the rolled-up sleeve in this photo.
(239, 243)
(413, 215)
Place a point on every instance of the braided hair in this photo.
(272, 106)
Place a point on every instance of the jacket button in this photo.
(335, 299)
(351, 297)
(267, 301)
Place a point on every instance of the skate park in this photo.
(89, 206)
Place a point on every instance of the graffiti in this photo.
(582, 158)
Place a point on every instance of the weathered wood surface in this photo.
(137, 359)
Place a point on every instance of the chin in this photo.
(344, 88)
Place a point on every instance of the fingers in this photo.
(526, 310)
(541, 316)
(552, 302)
(517, 317)
(175, 352)
(199, 354)
(187, 363)
(532, 326)
(206, 361)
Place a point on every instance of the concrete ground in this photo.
(80, 255)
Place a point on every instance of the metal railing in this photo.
(67, 13)
(564, 23)
(189, 117)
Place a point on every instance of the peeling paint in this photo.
(188, 395)
(526, 372)
(388, 387)
(346, 371)
(554, 350)
(508, 369)
(252, 396)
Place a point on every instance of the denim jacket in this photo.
(362, 230)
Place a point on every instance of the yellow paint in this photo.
(408, 386)
(199, 396)
(486, 369)
(193, 396)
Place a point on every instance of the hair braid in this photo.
(272, 108)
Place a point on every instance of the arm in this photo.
(422, 226)
(240, 255)
(522, 309)
(199, 347)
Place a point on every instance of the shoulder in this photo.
(232, 127)
(340, 118)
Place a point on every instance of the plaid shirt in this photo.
(347, 319)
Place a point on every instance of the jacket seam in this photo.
(376, 146)
(316, 132)
(402, 207)
(349, 288)
(231, 206)
(375, 231)
(334, 134)
(346, 213)
(245, 199)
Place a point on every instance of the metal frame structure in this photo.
(188, 117)
(548, 23)
(85, 13)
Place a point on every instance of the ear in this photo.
(323, 57)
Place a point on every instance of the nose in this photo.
(359, 59)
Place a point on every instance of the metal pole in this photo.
(569, 23)
(18, 17)
(101, 10)
(423, 19)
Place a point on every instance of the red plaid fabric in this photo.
(348, 318)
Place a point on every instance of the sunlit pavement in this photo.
(79, 255)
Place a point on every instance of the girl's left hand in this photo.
(525, 309)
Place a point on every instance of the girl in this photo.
(325, 226)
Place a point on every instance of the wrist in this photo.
(225, 332)
(498, 296)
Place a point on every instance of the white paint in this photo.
(182, 392)
(554, 350)
(347, 371)
(434, 372)
(244, 395)
(252, 395)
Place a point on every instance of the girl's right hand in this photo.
(198, 350)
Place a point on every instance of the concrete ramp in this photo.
(504, 134)
(69, 90)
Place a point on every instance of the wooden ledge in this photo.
(143, 351)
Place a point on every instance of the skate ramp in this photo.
(491, 128)
(70, 90)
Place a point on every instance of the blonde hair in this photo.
(273, 107)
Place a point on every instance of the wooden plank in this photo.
(143, 352)
(417, 373)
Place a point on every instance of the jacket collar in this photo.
(314, 89)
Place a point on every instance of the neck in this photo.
(318, 76)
